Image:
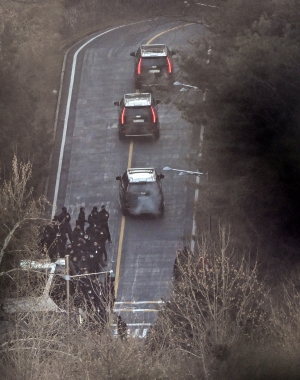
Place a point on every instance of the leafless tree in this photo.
(20, 212)
(217, 299)
(44, 345)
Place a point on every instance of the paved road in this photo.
(93, 156)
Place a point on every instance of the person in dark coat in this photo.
(122, 328)
(109, 290)
(70, 250)
(85, 282)
(74, 265)
(77, 233)
(83, 263)
(81, 218)
(64, 219)
(58, 248)
(54, 228)
(93, 217)
(64, 216)
(46, 236)
(96, 254)
(103, 218)
(89, 235)
(79, 248)
(91, 230)
(100, 237)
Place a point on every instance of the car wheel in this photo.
(170, 81)
(162, 209)
(121, 136)
(156, 134)
(125, 212)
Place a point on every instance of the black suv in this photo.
(138, 116)
(153, 66)
(140, 192)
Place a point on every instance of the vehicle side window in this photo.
(122, 103)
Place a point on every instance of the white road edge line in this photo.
(132, 310)
(62, 74)
(196, 196)
(62, 147)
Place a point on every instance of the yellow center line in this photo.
(122, 228)
(130, 155)
(166, 31)
(119, 255)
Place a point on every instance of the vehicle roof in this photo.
(154, 50)
(141, 175)
(134, 100)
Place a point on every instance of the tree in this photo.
(217, 301)
(30, 41)
(251, 113)
(20, 213)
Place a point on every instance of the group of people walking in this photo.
(86, 246)
(96, 297)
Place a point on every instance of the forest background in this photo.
(251, 119)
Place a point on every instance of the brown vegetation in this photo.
(21, 214)
(222, 321)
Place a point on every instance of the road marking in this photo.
(134, 333)
(169, 30)
(119, 255)
(194, 216)
(130, 155)
(194, 231)
(131, 309)
(122, 230)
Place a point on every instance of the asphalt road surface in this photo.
(91, 156)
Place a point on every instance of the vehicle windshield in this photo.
(134, 115)
(146, 189)
(132, 112)
(24, 283)
(154, 61)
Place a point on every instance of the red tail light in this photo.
(153, 115)
(123, 116)
(139, 66)
(169, 65)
